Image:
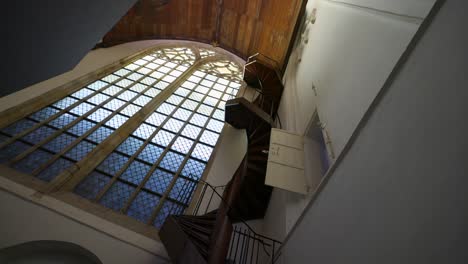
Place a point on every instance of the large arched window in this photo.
(137, 140)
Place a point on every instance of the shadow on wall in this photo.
(47, 251)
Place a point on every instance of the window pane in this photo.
(172, 139)
(117, 195)
(92, 185)
(39, 135)
(171, 161)
(163, 138)
(143, 205)
(151, 153)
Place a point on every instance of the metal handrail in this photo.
(261, 238)
(230, 208)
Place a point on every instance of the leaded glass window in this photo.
(153, 172)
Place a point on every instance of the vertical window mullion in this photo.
(76, 121)
(135, 155)
(54, 116)
(163, 154)
(187, 156)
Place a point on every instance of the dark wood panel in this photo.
(245, 26)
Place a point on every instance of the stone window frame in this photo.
(58, 194)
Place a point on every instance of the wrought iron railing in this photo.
(259, 92)
(246, 245)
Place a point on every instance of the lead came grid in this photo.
(163, 159)
(155, 170)
(57, 136)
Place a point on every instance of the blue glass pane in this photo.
(99, 115)
(59, 143)
(159, 181)
(138, 87)
(124, 83)
(98, 98)
(173, 125)
(113, 163)
(135, 76)
(18, 127)
(44, 114)
(97, 85)
(191, 131)
(215, 125)
(190, 105)
(65, 102)
(148, 80)
(122, 72)
(167, 209)
(130, 110)
(171, 161)
(198, 120)
(135, 172)
(81, 127)
(193, 169)
(127, 95)
(62, 120)
(82, 93)
(144, 131)
(182, 190)
(175, 99)
(182, 114)
(161, 85)
(165, 108)
(163, 138)
(143, 205)
(204, 109)
(116, 121)
(182, 145)
(110, 78)
(182, 91)
(152, 92)
(117, 195)
(39, 134)
(82, 108)
(150, 153)
(155, 119)
(55, 169)
(142, 100)
(222, 105)
(112, 90)
(12, 150)
(219, 114)
(114, 104)
(32, 161)
(80, 150)
(202, 152)
(130, 145)
(209, 137)
(100, 134)
(92, 185)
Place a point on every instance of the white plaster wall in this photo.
(24, 221)
(399, 195)
(232, 149)
(351, 50)
(226, 160)
(414, 8)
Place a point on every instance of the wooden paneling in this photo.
(245, 26)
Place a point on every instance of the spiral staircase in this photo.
(211, 237)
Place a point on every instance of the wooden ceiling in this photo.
(243, 27)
